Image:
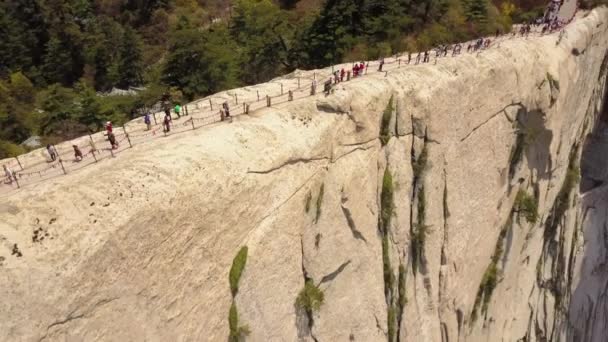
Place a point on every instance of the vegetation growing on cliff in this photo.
(490, 276)
(385, 132)
(237, 330)
(310, 297)
(561, 204)
(238, 265)
(526, 205)
(387, 206)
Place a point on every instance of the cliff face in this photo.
(438, 203)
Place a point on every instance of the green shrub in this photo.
(389, 276)
(238, 265)
(386, 202)
(310, 297)
(561, 204)
(308, 200)
(527, 206)
(490, 276)
(319, 202)
(402, 294)
(237, 332)
(385, 134)
(392, 324)
(8, 149)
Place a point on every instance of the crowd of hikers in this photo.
(548, 23)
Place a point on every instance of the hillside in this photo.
(436, 202)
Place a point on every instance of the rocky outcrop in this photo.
(434, 203)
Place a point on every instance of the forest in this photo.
(60, 59)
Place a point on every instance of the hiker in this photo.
(327, 87)
(409, 57)
(77, 153)
(177, 110)
(52, 152)
(109, 127)
(226, 109)
(336, 77)
(380, 64)
(445, 50)
(426, 57)
(10, 176)
(167, 123)
(363, 67)
(486, 43)
(147, 121)
(112, 140)
(356, 70)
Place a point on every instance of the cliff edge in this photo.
(436, 203)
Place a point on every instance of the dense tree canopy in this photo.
(57, 55)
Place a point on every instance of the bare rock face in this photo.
(436, 203)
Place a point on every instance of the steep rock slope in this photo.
(438, 203)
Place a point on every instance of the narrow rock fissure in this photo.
(334, 274)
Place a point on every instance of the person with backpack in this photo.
(226, 109)
(167, 123)
(52, 152)
(112, 139)
(77, 153)
(8, 173)
(147, 121)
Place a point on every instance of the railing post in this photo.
(268, 101)
(258, 92)
(63, 168)
(281, 88)
(192, 122)
(186, 109)
(236, 99)
(290, 95)
(16, 180)
(298, 83)
(127, 135)
(18, 162)
(210, 104)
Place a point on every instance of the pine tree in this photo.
(260, 30)
(201, 64)
(130, 62)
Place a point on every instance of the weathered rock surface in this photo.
(139, 247)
